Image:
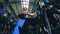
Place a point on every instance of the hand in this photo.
(33, 14)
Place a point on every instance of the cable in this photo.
(3, 10)
(34, 4)
(47, 21)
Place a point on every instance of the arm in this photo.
(32, 14)
(28, 13)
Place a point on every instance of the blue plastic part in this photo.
(47, 1)
(20, 23)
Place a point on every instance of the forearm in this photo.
(32, 14)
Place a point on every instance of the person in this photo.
(25, 14)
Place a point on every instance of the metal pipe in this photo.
(16, 2)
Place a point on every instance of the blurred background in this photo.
(46, 22)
